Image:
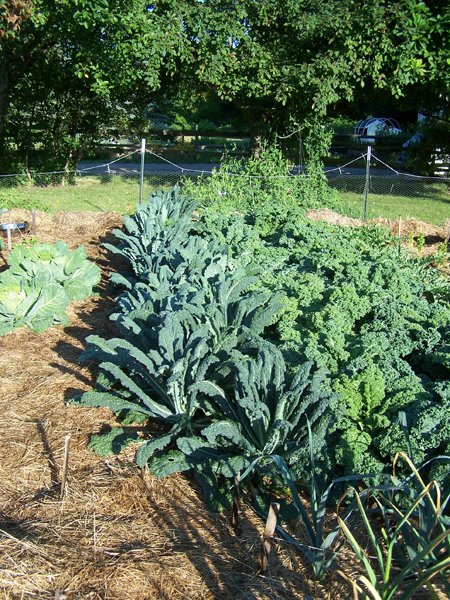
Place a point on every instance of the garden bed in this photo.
(410, 231)
(117, 533)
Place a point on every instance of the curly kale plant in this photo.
(375, 318)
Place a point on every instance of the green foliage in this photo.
(40, 282)
(428, 428)
(429, 149)
(321, 547)
(55, 263)
(153, 235)
(287, 65)
(430, 515)
(420, 242)
(441, 254)
(183, 319)
(11, 199)
(264, 413)
(112, 442)
(323, 360)
(377, 320)
(284, 66)
(413, 545)
(270, 191)
(372, 322)
(69, 92)
(32, 306)
(191, 352)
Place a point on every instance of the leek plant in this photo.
(322, 544)
(412, 547)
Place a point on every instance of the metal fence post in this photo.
(141, 181)
(366, 187)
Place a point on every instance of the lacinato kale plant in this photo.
(182, 324)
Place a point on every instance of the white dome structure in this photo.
(374, 126)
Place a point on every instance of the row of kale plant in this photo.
(191, 354)
(264, 350)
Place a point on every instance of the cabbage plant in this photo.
(39, 283)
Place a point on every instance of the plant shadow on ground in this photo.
(47, 451)
(95, 320)
(173, 523)
(14, 527)
(225, 562)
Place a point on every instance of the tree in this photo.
(71, 68)
(288, 63)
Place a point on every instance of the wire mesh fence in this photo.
(383, 191)
(391, 185)
(112, 186)
(379, 190)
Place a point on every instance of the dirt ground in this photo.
(118, 533)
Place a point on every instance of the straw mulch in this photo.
(118, 532)
(406, 226)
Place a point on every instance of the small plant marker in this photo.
(236, 503)
(65, 466)
(8, 239)
(267, 537)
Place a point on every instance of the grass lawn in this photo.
(434, 211)
(388, 197)
(91, 193)
(424, 200)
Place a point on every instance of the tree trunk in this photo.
(27, 163)
(256, 144)
(67, 167)
(4, 103)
